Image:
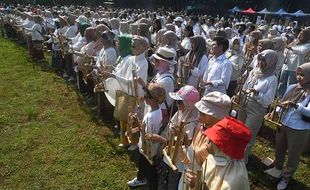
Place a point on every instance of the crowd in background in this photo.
(206, 81)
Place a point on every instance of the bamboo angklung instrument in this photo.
(272, 118)
(86, 64)
(171, 152)
(146, 145)
(198, 184)
(135, 85)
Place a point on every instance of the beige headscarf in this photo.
(140, 42)
(170, 27)
(271, 59)
(298, 93)
(114, 23)
(170, 39)
(143, 30)
(266, 44)
(278, 44)
(124, 27)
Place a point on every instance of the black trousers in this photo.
(232, 88)
(146, 170)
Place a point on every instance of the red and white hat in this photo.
(186, 93)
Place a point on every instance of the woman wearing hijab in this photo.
(124, 77)
(170, 40)
(195, 63)
(279, 46)
(263, 44)
(295, 54)
(37, 39)
(236, 57)
(86, 50)
(160, 38)
(124, 49)
(143, 30)
(295, 129)
(250, 48)
(260, 87)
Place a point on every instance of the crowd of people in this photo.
(191, 92)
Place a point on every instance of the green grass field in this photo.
(49, 139)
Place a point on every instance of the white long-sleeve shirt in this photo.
(198, 71)
(107, 56)
(296, 56)
(218, 73)
(266, 88)
(71, 31)
(140, 64)
(167, 81)
(292, 117)
(36, 32)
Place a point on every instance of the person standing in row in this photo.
(260, 87)
(217, 76)
(295, 131)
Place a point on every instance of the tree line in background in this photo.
(218, 6)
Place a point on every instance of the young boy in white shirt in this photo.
(152, 136)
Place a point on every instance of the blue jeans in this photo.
(287, 78)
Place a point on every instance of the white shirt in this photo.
(140, 64)
(186, 43)
(106, 57)
(190, 124)
(71, 31)
(88, 49)
(79, 43)
(237, 62)
(179, 31)
(153, 124)
(218, 73)
(28, 23)
(266, 88)
(296, 56)
(36, 32)
(292, 117)
(167, 81)
(198, 71)
(196, 29)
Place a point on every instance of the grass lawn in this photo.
(50, 140)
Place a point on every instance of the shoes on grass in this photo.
(136, 182)
(274, 172)
(283, 184)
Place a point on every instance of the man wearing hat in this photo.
(211, 108)
(163, 59)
